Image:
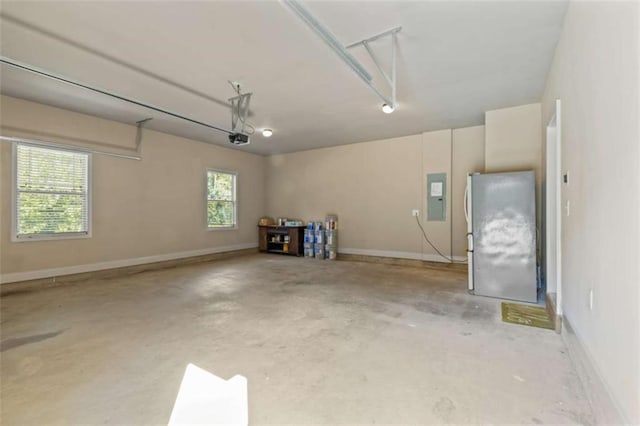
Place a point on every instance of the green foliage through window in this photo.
(221, 199)
(51, 192)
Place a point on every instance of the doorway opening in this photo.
(552, 257)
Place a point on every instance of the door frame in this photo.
(553, 204)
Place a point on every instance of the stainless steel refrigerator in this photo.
(501, 230)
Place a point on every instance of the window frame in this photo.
(15, 237)
(235, 200)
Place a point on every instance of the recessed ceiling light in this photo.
(387, 109)
(267, 133)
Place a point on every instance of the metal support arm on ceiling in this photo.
(48, 144)
(37, 142)
(323, 32)
(38, 71)
(239, 112)
(391, 79)
(139, 125)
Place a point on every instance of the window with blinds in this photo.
(51, 193)
(221, 199)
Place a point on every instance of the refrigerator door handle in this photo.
(466, 203)
(470, 262)
(470, 271)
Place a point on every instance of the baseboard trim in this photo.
(400, 255)
(401, 258)
(122, 263)
(552, 309)
(605, 409)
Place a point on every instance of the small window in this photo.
(51, 193)
(221, 200)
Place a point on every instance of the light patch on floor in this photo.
(318, 341)
(206, 399)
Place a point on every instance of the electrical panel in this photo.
(437, 197)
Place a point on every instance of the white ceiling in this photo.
(455, 61)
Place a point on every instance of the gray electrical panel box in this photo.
(437, 196)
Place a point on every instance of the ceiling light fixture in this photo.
(267, 133)
(387, 109)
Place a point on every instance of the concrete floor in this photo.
(319, 342)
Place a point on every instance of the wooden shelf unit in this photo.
(271, 239)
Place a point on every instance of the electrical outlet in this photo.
(590, 299)
(415, 212)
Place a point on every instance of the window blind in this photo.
(52, 192)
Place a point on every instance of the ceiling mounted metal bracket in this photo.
(240, 111)
(139, 126)
(48, 144)
(325, 35)
(391, 79)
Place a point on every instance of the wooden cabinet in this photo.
(281, 239)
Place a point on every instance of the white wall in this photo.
(373, 187)
(513, 142)
(513, 139)
(595, 74)
(436, 158)
(153, 207)
(468, 157)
